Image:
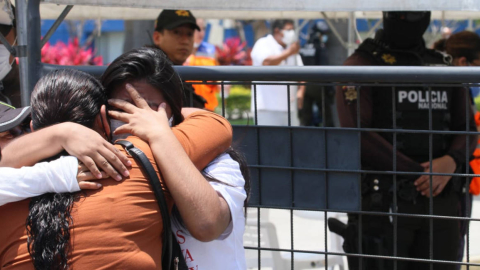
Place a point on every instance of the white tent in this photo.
(256, 9)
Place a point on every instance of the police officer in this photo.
(400, 43)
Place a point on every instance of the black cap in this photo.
(170, 18)
(11, 117)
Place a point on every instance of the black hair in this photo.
(464, 44)
(280, 24)
(439, 45)
(152, 66)
(60, 96)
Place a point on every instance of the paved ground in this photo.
(308, 234)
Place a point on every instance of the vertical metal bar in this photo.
(191, 95)
(22, 36)
(255, 103)
(258, 175)
(360, 234)
(323, 107)
(325, 175)
(394, 210)
(467, 167)
(33, 41)
(223, 98)
(292, 194)
(430, 158)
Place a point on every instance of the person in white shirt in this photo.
(277, 49)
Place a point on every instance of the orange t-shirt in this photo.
(119, 226)
(207, 91)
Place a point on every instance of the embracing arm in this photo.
(87, 145)
(57, 176)
(201, 138)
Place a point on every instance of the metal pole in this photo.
(334, 30)
(351, 33)
(470, 25)
(374, 27)
(22, 36)
(443, 20)
(56, 24)
(34, 40)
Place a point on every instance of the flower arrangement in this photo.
(234, 52)
(70, 54)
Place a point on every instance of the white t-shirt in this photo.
(273, 97)
(57, 176)
(227, 251)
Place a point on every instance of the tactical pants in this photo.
(413, 234)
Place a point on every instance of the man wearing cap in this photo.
(9, 73)
(174, 30)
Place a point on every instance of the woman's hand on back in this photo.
(140, 120)
(85, 177)
(94, 151)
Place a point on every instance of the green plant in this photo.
(237, 103)
(477, 102)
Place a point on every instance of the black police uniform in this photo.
(412, 112)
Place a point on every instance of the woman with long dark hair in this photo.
(117, 227)
(209, 221)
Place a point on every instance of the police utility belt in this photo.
(376, 184)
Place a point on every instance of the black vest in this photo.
(411, 103)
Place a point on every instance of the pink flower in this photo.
(69, 54)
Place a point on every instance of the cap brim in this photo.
(13, 118)
(180, 22)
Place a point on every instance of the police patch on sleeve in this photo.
(389, 59)
(350, 93)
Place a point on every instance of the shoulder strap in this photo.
(149, 171)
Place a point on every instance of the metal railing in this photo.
(266, 172)
(282, 180)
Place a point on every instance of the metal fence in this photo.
(301, 170)
(318, 168)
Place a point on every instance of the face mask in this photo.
(114, 124)
(288, 37)
(404, 33)
(5, 65)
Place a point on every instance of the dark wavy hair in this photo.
(60, 96)
(151, 65)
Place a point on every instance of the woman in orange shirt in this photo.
(119, 226)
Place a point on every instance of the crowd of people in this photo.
(71, 197)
